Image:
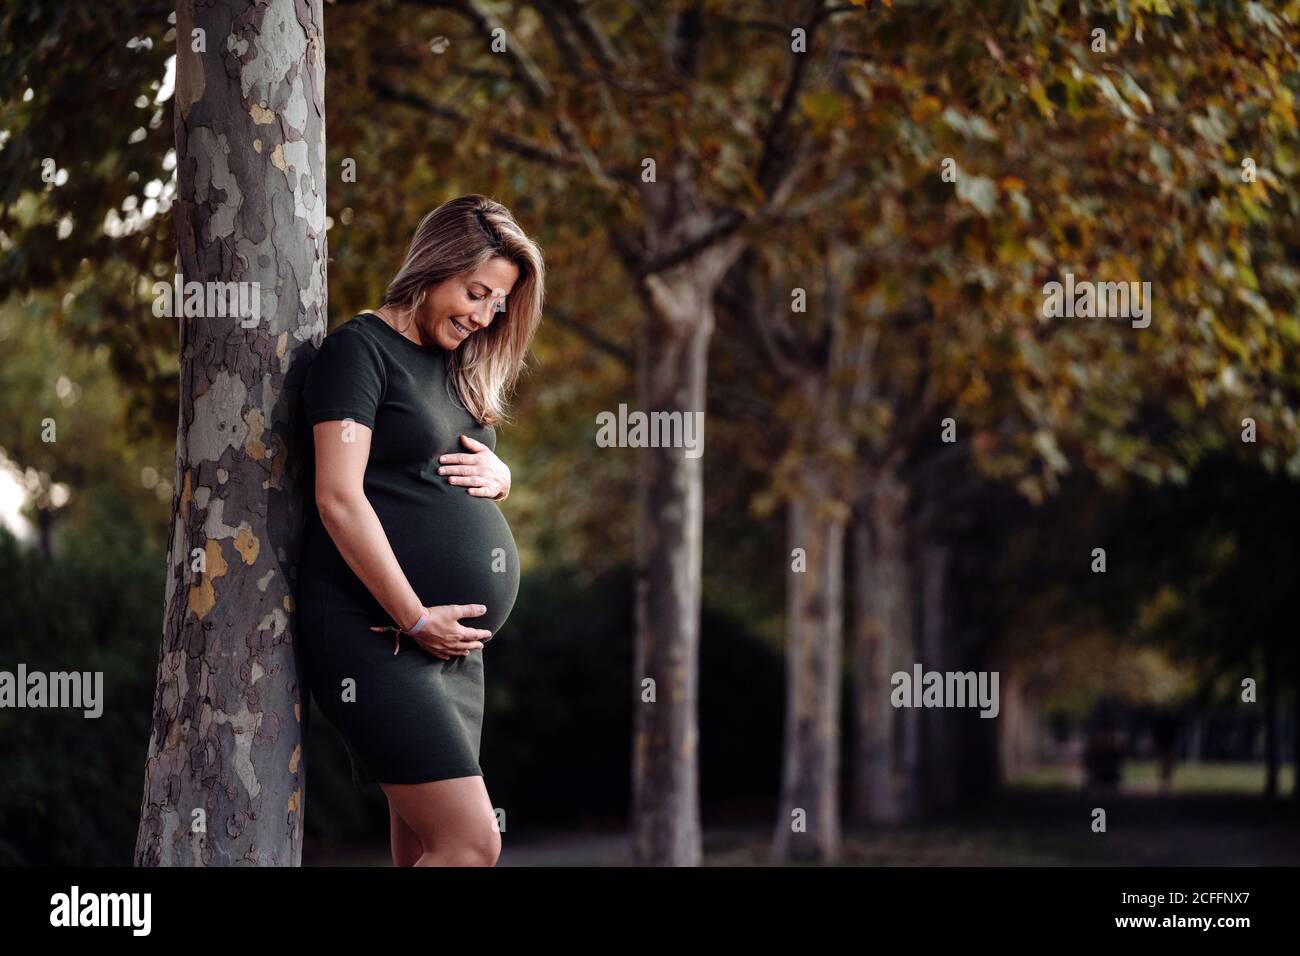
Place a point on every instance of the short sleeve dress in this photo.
(405, 715)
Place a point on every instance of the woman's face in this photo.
(464, 305)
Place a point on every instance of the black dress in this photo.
(405, 715)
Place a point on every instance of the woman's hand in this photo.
(482, 474)
(444, 636)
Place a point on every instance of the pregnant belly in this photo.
(457, 551)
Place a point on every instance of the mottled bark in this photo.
(886, 737)
(226, 728)
(808, 816)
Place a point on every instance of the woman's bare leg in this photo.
(406, 844)
(453, 820)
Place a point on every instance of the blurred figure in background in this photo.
(1103, 755)
(1164, 732)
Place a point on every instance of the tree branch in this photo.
(559, 17)
(598, 45)
(768, 157)
(526, 149)
(585, 331)
(524, 67)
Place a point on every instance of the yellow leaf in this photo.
(1039, 95)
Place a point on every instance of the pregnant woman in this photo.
(408, 565)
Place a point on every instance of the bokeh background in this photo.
(952, 158)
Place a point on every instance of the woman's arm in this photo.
(352, 522)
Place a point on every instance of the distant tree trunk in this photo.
(885, 736)
(807, 825)
(665, 775)
(45, 532)
(1195, 740)
(671, 376)
(1016, 724)
(1272, 749)
(939, 771)
(224, 773)
(1295, 745)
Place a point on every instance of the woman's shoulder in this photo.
(357, 324)
(354, 334)
(351, 343)
(351, 337)
(348, 376)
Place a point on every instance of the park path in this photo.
(1018, 828)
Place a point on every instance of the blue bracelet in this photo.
(419, 624)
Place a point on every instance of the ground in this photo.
(1215, 816)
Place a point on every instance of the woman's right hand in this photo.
(444, 636)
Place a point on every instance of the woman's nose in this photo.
(488, 310)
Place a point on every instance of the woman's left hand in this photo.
(482, 474)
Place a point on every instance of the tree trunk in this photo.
(671, 375)
(938, 753)
(45, 532)
(665, 811)
(886, 736)
(1272, 749)
(1015, 724)
(807, 825)
(1295, 745)
(223, 778)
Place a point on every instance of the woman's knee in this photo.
(479, 848)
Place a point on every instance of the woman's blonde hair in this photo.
(454, 240)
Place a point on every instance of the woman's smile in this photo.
(461, 330)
